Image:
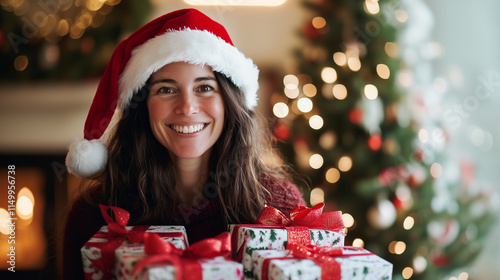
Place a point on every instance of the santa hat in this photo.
(185, 35)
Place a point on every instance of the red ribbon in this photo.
(322, 256)
(117, 234)
(301, 220)
(185, 261)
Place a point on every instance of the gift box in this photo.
(217, 268)
(276, 232)
(129, 254)
(320, 263)
(98, 254)
(206, 259)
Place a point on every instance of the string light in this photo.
(309, 90)
(291, 93)
(290, 81)
(407, 273)
(280, 110)
(327, 140)
(328, 75)
(358, 242)
(318, 22)
(316, 161)
(371, 91)
(354, 63)
(317, 196)
(372, 7)
(339, 91)
(391, 49)
(305, 104)
(316, 122)
(348, 220)
(419, 264)
(340, 58)
(20, 63)
(345, 163)
(332, 175)
(436, 170)
(405, 79)
(401, 15)
(408, 223)
(399, 248)
(423, 135)
(383, 71)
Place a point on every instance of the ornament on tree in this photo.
(417, 176)
(310, 31)
(356, 115)
(382, 215)
(282, 132)
(443, 233)
(403, 199)
(375, 142)
(373, 114)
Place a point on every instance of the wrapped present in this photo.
(275, 231)
(205, 259)
(98, 254)
(313, 262)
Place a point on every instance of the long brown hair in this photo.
(140, 174)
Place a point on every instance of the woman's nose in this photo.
(187, 104)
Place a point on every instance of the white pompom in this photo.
(86, 158)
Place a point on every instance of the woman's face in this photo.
(186, 109)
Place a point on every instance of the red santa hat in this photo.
(185, 35)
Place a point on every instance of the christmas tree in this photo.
(63, 40)
(361, 117)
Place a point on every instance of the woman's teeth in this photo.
(188, 129)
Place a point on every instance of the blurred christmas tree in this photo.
(63, 40)
(361, 116)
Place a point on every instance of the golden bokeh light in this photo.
(332, 175)
(280, 110)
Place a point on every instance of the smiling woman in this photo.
(187, 149)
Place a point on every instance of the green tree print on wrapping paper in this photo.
(273, 235)
(320, 236)
(252, 234)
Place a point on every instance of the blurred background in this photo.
(385, 108)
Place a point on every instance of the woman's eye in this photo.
(205, 88)
(165, 90)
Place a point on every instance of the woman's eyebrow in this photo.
(170, 81)
(205, 78)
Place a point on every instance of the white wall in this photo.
(470, 34)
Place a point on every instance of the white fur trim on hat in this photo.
(192, 46)
(86, 158)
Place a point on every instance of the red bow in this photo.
(322, 256)
(303, 216)
(117, 234)
(183, 260)
(301, 220)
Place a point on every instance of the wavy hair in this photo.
(140, 175)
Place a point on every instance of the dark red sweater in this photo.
(202, 221)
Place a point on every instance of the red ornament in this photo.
(282, 132)
(440, 260)
(416, 177)
(356, 116)
(375, 142)
(1, 38)
(467, 173)
(310, 31)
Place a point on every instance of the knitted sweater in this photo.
(201, 221)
